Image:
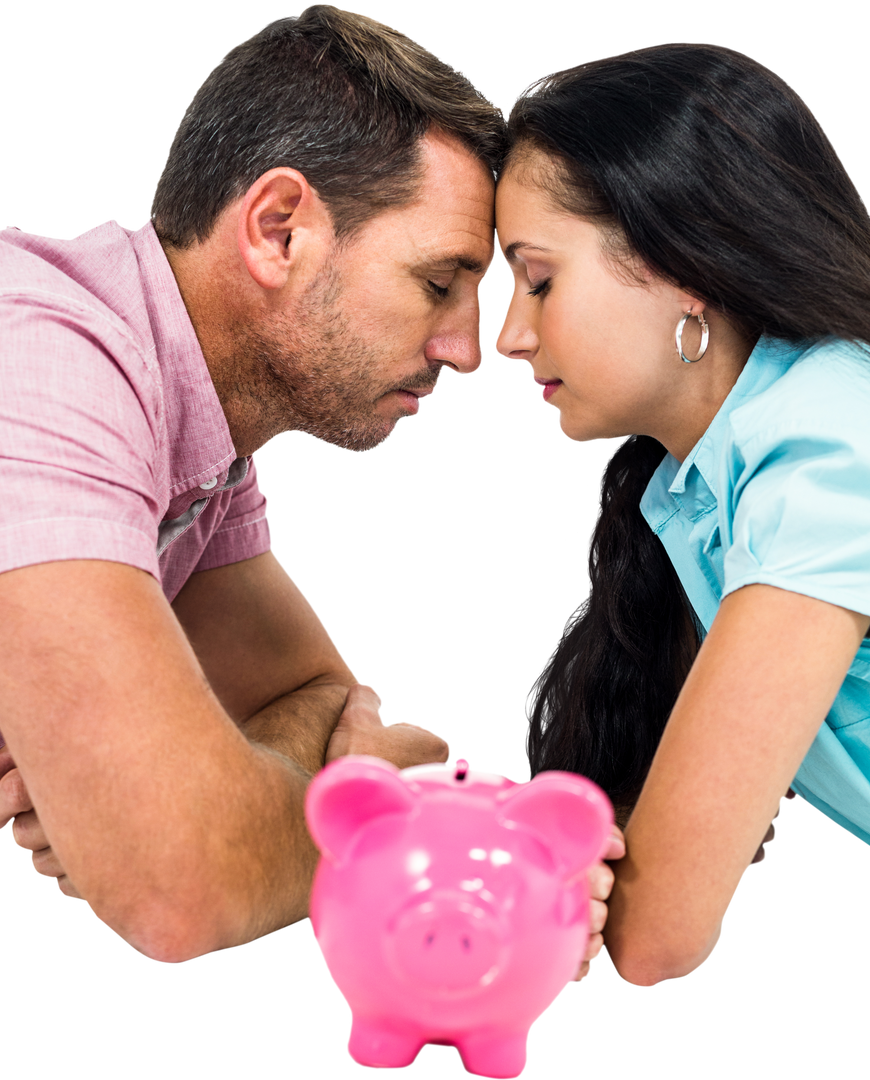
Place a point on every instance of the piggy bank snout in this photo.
(448, 942)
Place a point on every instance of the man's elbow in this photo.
(162, 935)
(170, 928)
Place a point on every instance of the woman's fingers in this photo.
(601, 878)
(597, 916)
(597, 919)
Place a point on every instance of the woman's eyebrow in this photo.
(510, 252)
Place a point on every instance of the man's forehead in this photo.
(448, 250)
(454, 212)
(446, 233)
(440, 236)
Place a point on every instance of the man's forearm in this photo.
(262, 885)
(300, 724)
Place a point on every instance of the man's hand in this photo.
(360, 731)
(29, 834)
(601, 880)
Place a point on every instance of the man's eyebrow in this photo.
(455, 262)
(510, 252)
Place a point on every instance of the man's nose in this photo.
(459, 346)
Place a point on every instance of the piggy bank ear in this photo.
(347, 794)
(569, 813)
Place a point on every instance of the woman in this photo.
(692, 269)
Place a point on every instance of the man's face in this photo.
(388, 309)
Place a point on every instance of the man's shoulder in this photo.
(95, 268)
(84, 299)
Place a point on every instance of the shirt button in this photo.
(209, 484)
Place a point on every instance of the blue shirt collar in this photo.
(692, 486)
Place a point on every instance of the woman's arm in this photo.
(758, 692)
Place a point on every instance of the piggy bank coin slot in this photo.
(461, 770)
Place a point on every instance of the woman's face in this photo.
(600, 338)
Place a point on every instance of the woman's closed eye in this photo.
(541, 288)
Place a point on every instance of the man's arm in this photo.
(278, 675)
(266, 656)
(183, 835)
(300, 723)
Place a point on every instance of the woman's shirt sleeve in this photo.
(797, 479)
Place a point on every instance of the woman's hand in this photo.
(771, 832)
(601, 879)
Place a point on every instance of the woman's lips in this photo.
(548, 388)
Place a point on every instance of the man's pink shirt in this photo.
(113, 441)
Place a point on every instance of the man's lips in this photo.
(425, 394)
(410, 397)
(422, 394)
(550, 386)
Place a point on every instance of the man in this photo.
(317, 240)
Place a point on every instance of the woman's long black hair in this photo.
(709, 170)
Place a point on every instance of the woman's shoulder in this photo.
(820, 390)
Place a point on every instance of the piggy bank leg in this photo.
(497, 1053)
(375, 1043)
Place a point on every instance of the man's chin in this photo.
(363, 437)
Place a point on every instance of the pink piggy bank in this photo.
(451, 906)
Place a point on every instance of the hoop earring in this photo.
(705, 337)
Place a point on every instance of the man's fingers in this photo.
(361, 708)
(28, 831)
(67, 888)
(45, 864)
(366, 690)
(13, 796)
(6, 762)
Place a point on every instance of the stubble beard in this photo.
(312, 372)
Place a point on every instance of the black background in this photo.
(444, 564)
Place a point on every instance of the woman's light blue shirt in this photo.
(777, 492)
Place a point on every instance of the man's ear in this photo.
(283, 225)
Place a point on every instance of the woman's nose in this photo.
(507, 342)
(501, 343)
